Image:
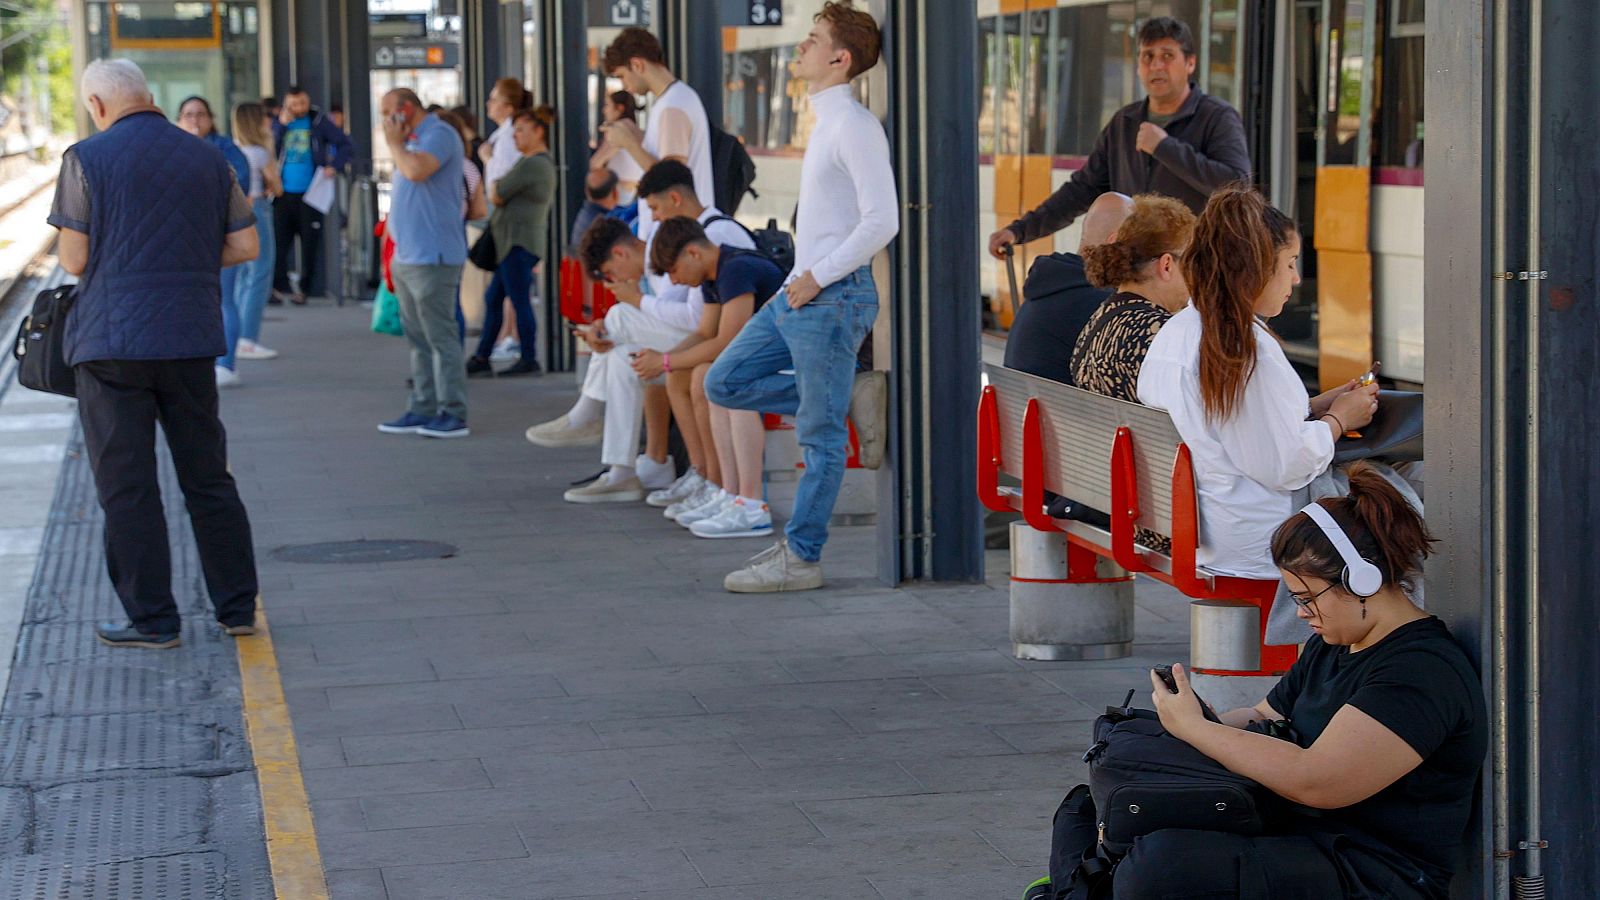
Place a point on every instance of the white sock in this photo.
(586, 411)
(754, 502)
(619, 474)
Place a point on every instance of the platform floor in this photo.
(570, 706)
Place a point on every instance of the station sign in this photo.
(619, 13)
(752, 13)
(416, 55)
(397, 26)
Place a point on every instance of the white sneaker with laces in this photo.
(226, 377)
(687, 484)
(699, 497)
(247, 349)
(742, 518)
(719, 501)
(775, 569)
(507, 350)
(655, 475)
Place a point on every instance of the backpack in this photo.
(772, 242)
(733, 172)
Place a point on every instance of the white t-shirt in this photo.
(1247, 467)
(678, 305)
(848, 206)
(258, 158)
(504, 155)
(681, 97)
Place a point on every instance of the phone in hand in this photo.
(1165, 674)
(1372, 374)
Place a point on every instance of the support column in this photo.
(934, 382)
(563, 77)
(692, 37)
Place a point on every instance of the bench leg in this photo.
(1066, 602)
(1225, 639)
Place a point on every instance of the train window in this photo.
(1400, 108)
(1222, 48)
(1407, 18)
(988, 83)
(1341, 112)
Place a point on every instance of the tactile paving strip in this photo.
(123, 773)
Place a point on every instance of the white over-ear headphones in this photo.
(1360, 577)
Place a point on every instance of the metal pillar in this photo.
(482, 54)
(694, 50)
(934, 383)
(563, 78)
(358, 112)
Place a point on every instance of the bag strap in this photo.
(720, 217)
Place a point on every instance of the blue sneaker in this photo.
(444, 425)
(410, 423)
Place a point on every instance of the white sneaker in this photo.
(508, 350)
(718, 502)
(701, 495)
(603, 490)
(741, 518)
(252, 350)
(775, 569)
(687, 484)
(654, 475)
(560, 433)
(226, 377)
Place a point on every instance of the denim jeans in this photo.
(427, 297)
(252, 286)
(819, 342)
(230, 314)
(513, 280)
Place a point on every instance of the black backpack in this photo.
(772, 242)
(733, 172)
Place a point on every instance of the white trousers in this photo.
(612, 381)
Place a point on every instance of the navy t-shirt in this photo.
(1417, 683)
(741, 272)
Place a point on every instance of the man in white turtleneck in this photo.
(848, 212)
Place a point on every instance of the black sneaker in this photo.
(242, 630)
(478, 367)
(114, 635)
(522, 367)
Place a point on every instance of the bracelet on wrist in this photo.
(1336, 421)
(666, 362)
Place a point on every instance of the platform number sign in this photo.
(766, 12)
(619, 13)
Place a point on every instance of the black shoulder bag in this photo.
(40, 347)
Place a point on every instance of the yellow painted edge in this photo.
(286, 812)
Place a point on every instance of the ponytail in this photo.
(1384, 527)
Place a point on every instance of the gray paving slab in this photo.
(570, 706)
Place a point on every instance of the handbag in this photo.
(386, 312)
(40, 348)
(1144, 780)
(1394, 434)
(483, 253)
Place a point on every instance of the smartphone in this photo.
(1165, 674)
(1372, 374)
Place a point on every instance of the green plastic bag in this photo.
(386, 312)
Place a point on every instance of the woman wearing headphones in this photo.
(1389, 721)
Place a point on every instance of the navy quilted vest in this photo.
(158, 204)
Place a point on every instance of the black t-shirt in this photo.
(1417, 683)
(741, 272)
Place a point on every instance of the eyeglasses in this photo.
(1305, 602)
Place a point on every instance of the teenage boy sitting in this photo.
(734, 282)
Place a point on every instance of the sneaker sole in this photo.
(240, 630)
(769, 588)
(562, 443)
(142, 645)
(618, 497)
(659, 504)
(444, 435)
(395, 429)
(758, 532)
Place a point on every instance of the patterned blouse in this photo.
(1110, 351)
(1113, 343)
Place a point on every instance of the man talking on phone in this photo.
(430, 248)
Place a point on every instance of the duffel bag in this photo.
(40, 347)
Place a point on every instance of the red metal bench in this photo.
(1128, 460)
(581, 301)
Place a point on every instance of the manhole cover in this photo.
(363, 551)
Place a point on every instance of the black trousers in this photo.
(292, 218)
(119, 404)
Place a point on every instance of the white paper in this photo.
(319, 196)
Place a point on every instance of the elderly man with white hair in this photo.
(149, 215)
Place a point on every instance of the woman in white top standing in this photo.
(253, 287)
(1241, 408)
(619, 105)
(499, 151)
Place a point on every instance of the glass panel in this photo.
(988, 58)
(1225, 46)
(1346, 68)
(1011, 85)
(226, 73)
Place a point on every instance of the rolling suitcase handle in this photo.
(1011, 274)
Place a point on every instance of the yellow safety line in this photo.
(291, 837)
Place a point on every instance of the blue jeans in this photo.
(819, 342)
(246, 287)
(513, 279)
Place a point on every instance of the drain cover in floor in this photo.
(363, 551)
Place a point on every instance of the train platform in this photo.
(552, 701)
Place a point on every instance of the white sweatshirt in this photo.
(848, 206)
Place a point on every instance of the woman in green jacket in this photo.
(519, 221)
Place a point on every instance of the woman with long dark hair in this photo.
(1241, 408)
(520, 224)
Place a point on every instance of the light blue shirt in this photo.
(425, 216)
